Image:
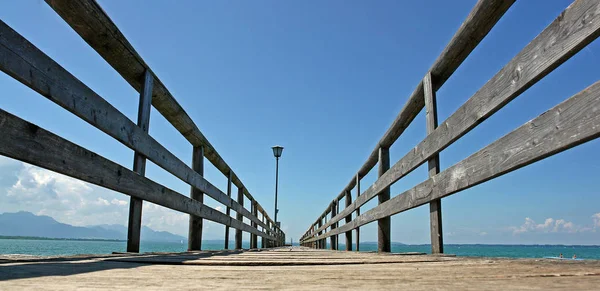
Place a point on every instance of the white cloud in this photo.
(549, 225)
(116, 201)
(596, 218)
(219, 208)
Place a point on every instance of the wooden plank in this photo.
(23, 61)
(435, 206)
(476, 26)
(238, 233)
(195, 226)
(253, 238)
(333, 242)
(357, 230)
(228, 212)
(31, 144)
(88, 19)
(134, 224)
(348, 219)
(384, 239)
(576, 27)
(571, 123)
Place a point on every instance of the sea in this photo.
(73, 247)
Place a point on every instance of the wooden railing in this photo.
(29, 143)
(569, 124)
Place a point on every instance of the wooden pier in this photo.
(297, 268)
(574, 121)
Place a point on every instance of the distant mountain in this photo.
(28, 224)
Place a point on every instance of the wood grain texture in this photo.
(571, 123)
(357, 230)
(92, 23)
(476, 26)
(195, 225)
(384, 238)
(23, 61)
(238, 232)
(435, 206)
(577, 26)
(348, 219)
(334, 238)
(134, 223)
(31, 144)
(228, 212)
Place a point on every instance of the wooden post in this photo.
(320, 241)
(195, 228)
(262, 239)
(228, 211)
(333, 238)
(139, 166)
(357, 213)
(238, 216)
(253, 237)
(348, 220)
(383, 224)
(435, 206)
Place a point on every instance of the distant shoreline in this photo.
(54, 238)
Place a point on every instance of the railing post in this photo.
(333, 240)
(238, 216)
(357, 213)
(262, 239)
(139, 166)
(320, 244)
(253, 237)
(195, 227)
(383, 225)
(348, 220)
(228, 211)
(435, 206)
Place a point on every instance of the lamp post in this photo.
(277, 150)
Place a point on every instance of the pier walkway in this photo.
(293, 268)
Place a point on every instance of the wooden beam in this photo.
(228, 212)
(571, 123)
(476, 26)
(195, 229)
(23, 61)
(333, 242)
(238, 233)
(357, 230)
(563, 38)
(384, 239)
(348, 219)
(134, 224)
(31, 144)
(435, 206)
(253, 238)
(87, 18)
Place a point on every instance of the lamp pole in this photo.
(277, 150)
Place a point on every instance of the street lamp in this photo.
(277, 150)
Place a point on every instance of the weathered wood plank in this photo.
(88, 19)
(571, 123)
(195, 225)
(357, 230)
(576, 27)
(384, 239)
(31, 144)
(333, 242)
(238, 216)
(23, 61)
(134, 224)
(435, 206)
(253, 238)
(348, 219)
(228, 212)
(476, 26)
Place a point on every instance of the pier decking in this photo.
(293, 268)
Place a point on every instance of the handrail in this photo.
(574, 29)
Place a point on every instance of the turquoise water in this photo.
(71, 247)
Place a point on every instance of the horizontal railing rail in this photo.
(24, 62)
(574, 29)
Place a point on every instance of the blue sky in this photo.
(325, 79)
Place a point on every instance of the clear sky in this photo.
(324, 79)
